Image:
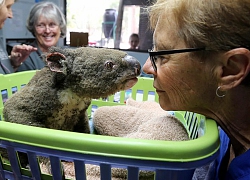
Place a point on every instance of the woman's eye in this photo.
(41, 25)
(159, 58)
(52, 25)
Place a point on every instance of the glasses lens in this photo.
(153, 59)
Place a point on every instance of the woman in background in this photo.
(134, 41)
(47, 24)
(9, 64)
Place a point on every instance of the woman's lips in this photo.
(158, 90)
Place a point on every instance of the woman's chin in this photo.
(165, 105)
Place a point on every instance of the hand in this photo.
(19, 53)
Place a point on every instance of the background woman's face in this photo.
(47, 33)
(133, 41)
(5, 11)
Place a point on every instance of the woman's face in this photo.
(5, 11)
(47, 33)
(133, 41)
(181, 81)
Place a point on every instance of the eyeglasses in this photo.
(42, 27)
(154, 54)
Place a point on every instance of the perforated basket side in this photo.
(11, 83)
(193, 122)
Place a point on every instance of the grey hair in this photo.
(214, 24)
(218, 25)
(48, 10)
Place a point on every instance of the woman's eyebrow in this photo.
(163, 47)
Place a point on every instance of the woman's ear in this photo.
(236, 67)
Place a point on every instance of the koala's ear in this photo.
(54, 61)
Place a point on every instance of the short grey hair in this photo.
(48, 10)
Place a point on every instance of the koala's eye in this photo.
(109, 65)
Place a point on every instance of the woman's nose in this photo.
(148, 68)
(47, 29)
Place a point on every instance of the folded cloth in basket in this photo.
(141, 120)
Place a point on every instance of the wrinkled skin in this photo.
(187, 82)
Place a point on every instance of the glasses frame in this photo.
(43, 27)
(153, 54)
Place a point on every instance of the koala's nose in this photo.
(134, 63)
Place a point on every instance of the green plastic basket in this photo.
(168, 159)
(11, 83)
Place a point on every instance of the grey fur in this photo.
(58, 96)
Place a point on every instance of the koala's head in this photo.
(93, 72)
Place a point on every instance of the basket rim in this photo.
(171, 151)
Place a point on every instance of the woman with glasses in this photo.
(47, 24)
(9, 64)
(201, 62)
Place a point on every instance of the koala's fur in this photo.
(58, 96)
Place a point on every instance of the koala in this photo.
(58, 95)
